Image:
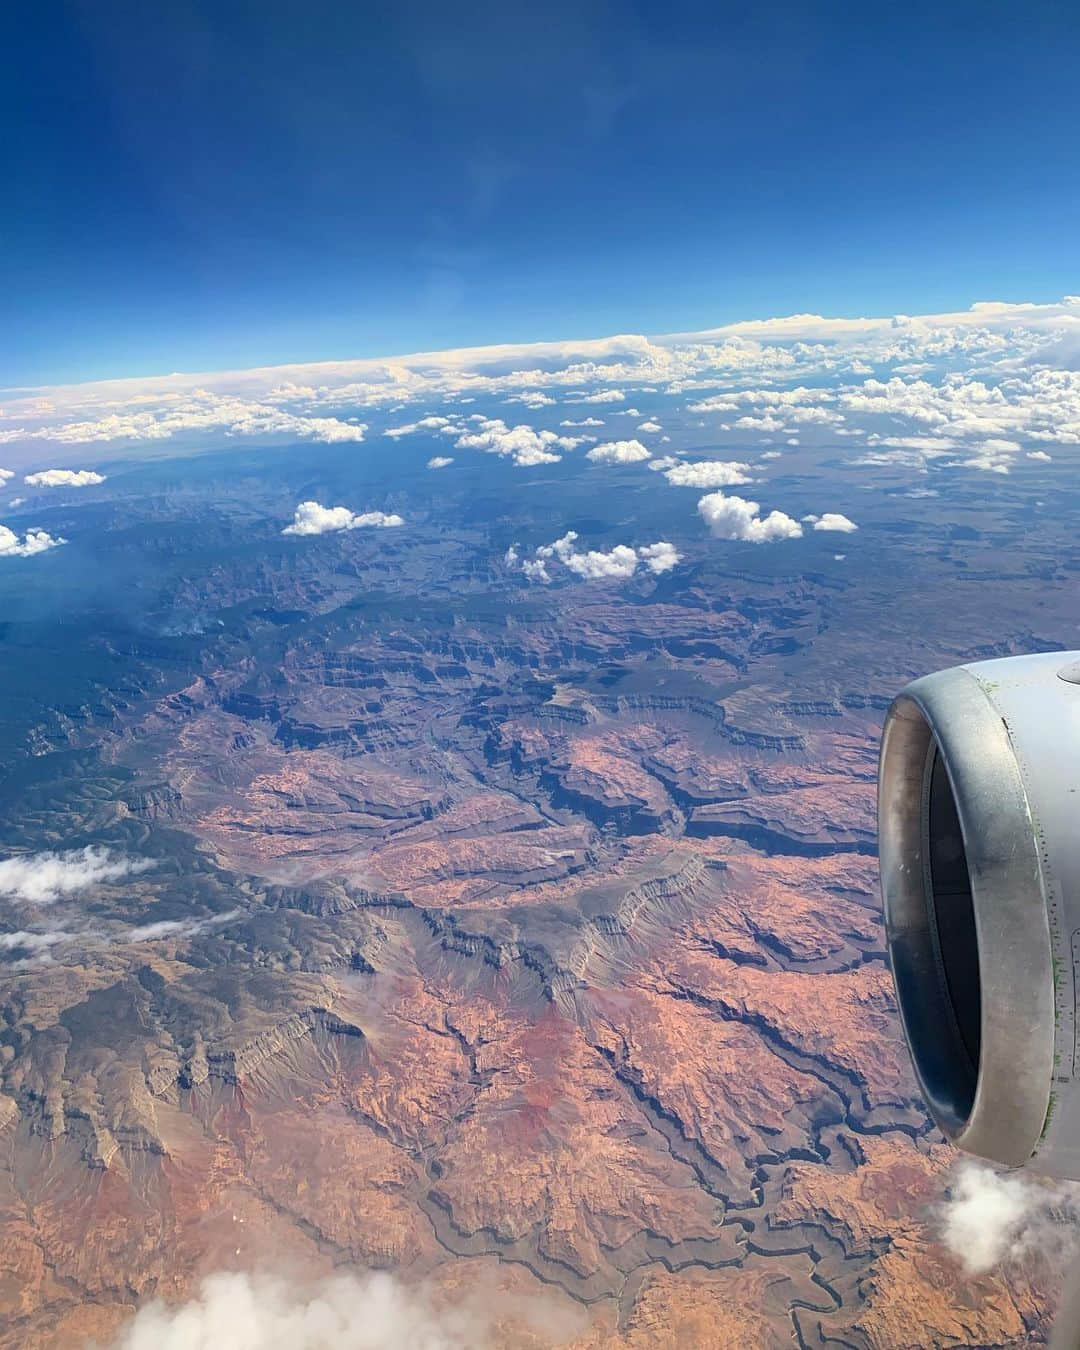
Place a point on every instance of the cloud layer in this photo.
(981, 390)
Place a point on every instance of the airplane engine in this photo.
(979, 841)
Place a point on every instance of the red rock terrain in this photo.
(546, 955)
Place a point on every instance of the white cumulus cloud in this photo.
(708, 473)
(584, 422)
(535, 569)
(64, 478)
(618, 452)
(833, 520)
(311, 518)
(42, 878)
(440, 461)
(616, 564)
(659, 557)
(5, 474)
(523, 444)
(650, 426)
(33, 541)
(601, 396)
(737, 518)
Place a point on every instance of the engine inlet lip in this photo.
(997, 1108)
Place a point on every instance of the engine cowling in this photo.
(979, 844)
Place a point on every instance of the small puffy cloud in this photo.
(601, 396)
(649, 426)
(617, 564)
(5, 474)
(41, 878)
(64, 478)
(510, 557)
(440, 461)
(18, 501)
(33, 541)
(584, 422)
(766, 423)
(718, 404)
(523, 444)
(773, 454)
(659, 557)
(1040, 455)
(535, 569)
(618, 452)
(424, 424)
(737, 518)
(990, 1218)
(833, 520)
(311, 518)
(664, 462)
(531, 399)
(560, 548)
(708, 473)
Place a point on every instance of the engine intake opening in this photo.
(935, 949)
(951, 909)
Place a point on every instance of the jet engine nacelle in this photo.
(979, 839)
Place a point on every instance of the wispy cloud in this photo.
(993, 1218)
(431, 423)
(178, 928)
(345, 1312)
(42, 878)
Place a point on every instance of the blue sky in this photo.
(213, 184)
